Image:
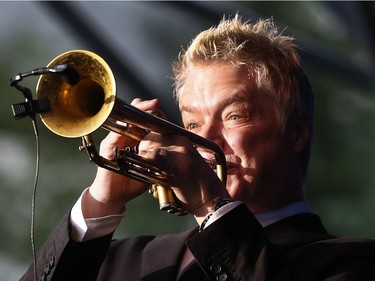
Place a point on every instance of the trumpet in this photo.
(83, 99)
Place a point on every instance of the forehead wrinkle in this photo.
(235, 87)
(235, 98)
(186, 108)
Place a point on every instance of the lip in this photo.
(233, 168)
(233, 164)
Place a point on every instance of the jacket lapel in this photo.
(297, 230)
(161, 257)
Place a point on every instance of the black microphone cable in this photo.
(33, 198)
(30, 108)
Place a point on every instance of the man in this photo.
(240, 85)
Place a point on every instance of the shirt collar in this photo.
(268, 218)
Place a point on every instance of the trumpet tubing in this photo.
(88, 103)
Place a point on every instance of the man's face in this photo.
(221, 102)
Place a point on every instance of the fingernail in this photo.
(142, 152)
(162, 152)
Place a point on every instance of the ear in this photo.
(301, 133)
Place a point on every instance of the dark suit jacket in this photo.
(235, 247)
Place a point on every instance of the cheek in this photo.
(256, 146)
(243, 147)
(242, 141)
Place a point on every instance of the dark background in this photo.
(139, 40)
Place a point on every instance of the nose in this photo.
(212, 132)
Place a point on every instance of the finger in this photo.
(146, 104)
(115, 139)
(154, 139)
(160, 157)
(135, 101)
(156, 154)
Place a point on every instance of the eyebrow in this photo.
(236, 98)
(239, 97)
(186, 108)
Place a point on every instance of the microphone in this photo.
(69, 74)
(31, 106)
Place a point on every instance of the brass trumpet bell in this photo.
(80, 109)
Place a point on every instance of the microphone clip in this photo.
(33, 106)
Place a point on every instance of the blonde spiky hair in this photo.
(271, 58)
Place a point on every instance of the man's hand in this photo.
(193, 181)
(111, 191)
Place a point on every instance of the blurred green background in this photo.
(139, 40)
